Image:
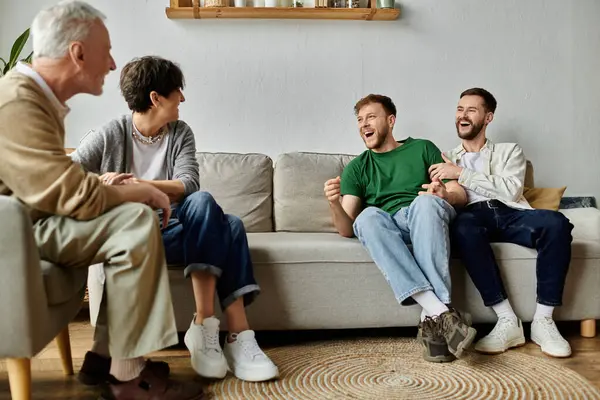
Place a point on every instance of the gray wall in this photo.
(273, 86)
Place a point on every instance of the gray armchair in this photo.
(37, 299)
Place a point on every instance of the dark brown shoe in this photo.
(151, 385)
(456, 329)
(96, 369)
(435, 346)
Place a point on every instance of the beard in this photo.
(473, 133)
(379, 138)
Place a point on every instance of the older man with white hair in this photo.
(77, 220)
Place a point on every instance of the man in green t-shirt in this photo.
(386, 198)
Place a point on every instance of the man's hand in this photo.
(445, 170)
(114, 178)
(436, 188)
(332, 189)
(147, 194)
(157, 200)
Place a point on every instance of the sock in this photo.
(543, 311)
(504, 310)
(429, 301)
(127, 369)
(423, 315)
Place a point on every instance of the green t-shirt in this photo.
(391, 180)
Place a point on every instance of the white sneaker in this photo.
(203, 343)
(507, 333)
(545, 334)
(248, 361)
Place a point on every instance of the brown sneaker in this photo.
(456, 330)
(96, 369)
(152, 385)
(435, 346)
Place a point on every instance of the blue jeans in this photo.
(201, 237)
(547, 231)
(424, 224)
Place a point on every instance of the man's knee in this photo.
(555, 223)
(428, 205)
(369, 218)
(138, 212)
(427, 201)
(135, 224)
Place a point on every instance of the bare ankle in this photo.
(231, 337)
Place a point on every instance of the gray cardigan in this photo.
(110, 148)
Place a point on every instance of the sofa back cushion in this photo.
(242, 184)
(300, 204)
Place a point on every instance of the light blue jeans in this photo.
(424, 224)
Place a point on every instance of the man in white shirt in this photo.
(493, 176)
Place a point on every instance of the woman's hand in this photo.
(115, 178)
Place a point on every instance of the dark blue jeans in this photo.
(549, 232)
(202, 238)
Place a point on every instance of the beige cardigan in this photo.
(33, 165)
(504, 173)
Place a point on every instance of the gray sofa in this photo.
(37, 299)
(312, 278)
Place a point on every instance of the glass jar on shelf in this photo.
(353, 3)
(297, 3)
(337, 3)
(216, 3)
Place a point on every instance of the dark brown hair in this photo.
(489, 102)
(386, 103)
(143, 75)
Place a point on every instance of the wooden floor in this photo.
(50, 383)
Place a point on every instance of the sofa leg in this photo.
(64, 348)
(19, 377)
(588, 328)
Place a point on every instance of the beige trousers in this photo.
(136, 313)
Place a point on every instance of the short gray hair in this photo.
(55, 28)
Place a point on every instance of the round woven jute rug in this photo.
(394, 369)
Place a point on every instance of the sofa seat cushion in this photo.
(62, 284)
(300, 247)
(304, 248)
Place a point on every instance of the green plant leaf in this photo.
(17, 48)
(28, 58)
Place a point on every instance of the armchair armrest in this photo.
(23, 304)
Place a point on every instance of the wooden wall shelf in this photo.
(186, 9)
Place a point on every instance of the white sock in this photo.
(423, 315)
(429, 301)
(504, 310)
(128, 369)
(543, 311)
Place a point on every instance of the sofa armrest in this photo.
(586, 222)
(23, 304)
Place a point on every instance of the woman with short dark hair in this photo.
(152, 145)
